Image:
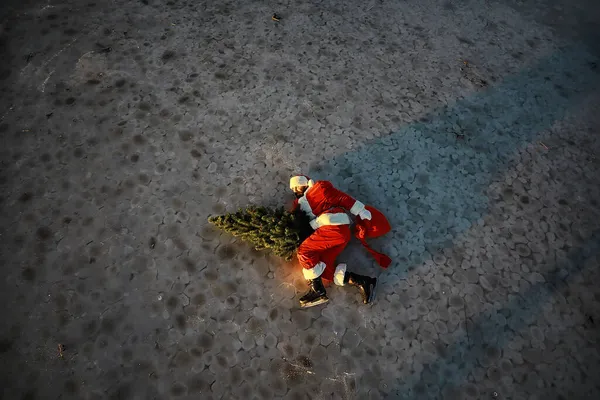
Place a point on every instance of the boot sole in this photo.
(373, 289)
(316, 303)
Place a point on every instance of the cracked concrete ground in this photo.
(473, 126)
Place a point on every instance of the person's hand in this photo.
(313, 224)
(365, 214)
(290, 205)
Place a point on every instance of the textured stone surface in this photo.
(473, 127)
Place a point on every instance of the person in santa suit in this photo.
(327, 208)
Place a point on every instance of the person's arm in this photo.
(292, 205)
(337, 198)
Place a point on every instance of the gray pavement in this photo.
(472, 125)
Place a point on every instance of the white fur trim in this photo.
(314, 272)
(310, 183)
(330, 219)
(304, 206)
(340, 273)
(357, 208)
(365, 214)
(298, 180)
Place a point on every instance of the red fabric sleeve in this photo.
(337, 198)
(292, 206)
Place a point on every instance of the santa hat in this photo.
(300, 180)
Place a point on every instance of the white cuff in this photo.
(314, 224)
(365, 214)
(314, 272)
(340, 273)
(357, 207)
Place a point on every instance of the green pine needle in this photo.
(277, 230)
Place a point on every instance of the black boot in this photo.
(316, 294)
(365, 284)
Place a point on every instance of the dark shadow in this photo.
(430, 178)
(484, 339)
(576, 21)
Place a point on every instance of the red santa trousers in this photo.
(324, 245)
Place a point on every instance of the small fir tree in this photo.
(277, 230)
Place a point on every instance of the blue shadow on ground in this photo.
(454, 364)
(432, 185)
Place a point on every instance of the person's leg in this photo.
(365, 284)
(318, 252)
(339, 236)
(329, 257)
(317, 256)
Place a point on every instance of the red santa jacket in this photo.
(326, 205)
